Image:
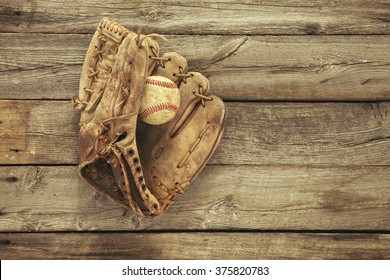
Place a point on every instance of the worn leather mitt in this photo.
(139, 165)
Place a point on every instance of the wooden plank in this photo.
(321, 134)
(223, 197)
(38, 132)
(45, 66)
(200, 17)
(212, 245)
(39, 66)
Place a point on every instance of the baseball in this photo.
(160, 101)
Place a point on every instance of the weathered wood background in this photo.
(302, 171)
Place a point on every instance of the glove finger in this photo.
(153, 50)
(128, 170)
(96, 70)
(174, 69)
(192, 89)
(172, 66)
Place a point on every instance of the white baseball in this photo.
(160, 101)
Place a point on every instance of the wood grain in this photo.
(296, 176)
(48, 66)
(223, 197)
(277, 133)
(194, 246)
(200, 17)
(38, 132)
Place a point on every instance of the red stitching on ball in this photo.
(158, 107)
(151, 81)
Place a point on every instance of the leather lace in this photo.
(182, 74)
(179, 189)
(94, 73)
(161, 60)
(203, 97)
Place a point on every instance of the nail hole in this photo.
(143, 186)
(131, 152)
(135, 160)
(140, 179)
(155, 206)
(138, 169)
(11, 179)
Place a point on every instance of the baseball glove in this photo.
(139, 165)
